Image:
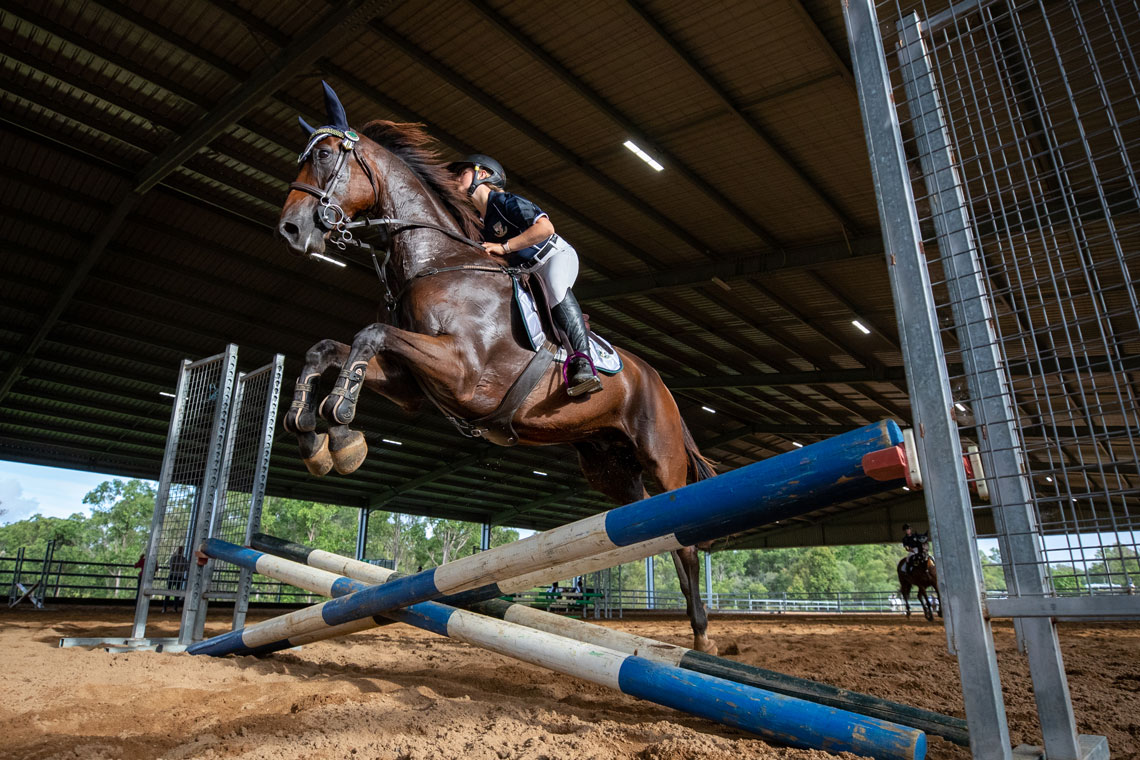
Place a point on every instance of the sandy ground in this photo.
(398, 693)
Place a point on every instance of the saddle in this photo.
(913, 561)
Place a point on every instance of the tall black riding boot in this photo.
(580, 377)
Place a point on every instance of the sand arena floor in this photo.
(399, 693)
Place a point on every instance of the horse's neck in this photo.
(417, 249)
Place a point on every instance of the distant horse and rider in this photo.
(450, 334)
(917, 570)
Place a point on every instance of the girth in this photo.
(498, 426)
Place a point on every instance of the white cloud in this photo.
(17, 506)
(26, 490)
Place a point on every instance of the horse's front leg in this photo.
(300, 419)
(380, 351)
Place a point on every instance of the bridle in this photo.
(331, 217)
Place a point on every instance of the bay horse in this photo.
(448, 335)
(918, 570)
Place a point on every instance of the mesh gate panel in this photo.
(188, 473)
(252, 417)
(1041, 104)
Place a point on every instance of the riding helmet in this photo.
(497, 175)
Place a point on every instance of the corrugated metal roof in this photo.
(749, 106)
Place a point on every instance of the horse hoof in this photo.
(320, 462)
(348, 452)
(706, 645)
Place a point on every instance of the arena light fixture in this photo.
(394, 443)
(860, 326)
(329, 259)
(539, 472)
(643, 155)
(168, 394)
(709, 409)
(960, 408)
(1048, 478)
(797, 444)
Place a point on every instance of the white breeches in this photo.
(558, 269)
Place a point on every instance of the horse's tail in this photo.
(700, 468)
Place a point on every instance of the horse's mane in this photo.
(415, 147)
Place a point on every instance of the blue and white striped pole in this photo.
(949, 728)
(769, 490)
(783, 719)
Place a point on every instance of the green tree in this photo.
(451, 539)
(323, 526)
(993, 576)
(121, 513)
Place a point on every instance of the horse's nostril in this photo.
(288, 230)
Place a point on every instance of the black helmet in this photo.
(497, 175)
(906, 526)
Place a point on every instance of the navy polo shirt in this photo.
(507, 216)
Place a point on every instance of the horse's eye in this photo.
(323, 153)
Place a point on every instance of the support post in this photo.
(939, 448)
(150, 561)
(650, 590)
(1004, 466)
(485, 537)
(194, 603)
(362, 532)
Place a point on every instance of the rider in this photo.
(911, 543)
(517, 230)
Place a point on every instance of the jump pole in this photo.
(948, 727)
(777, 717)
(772, 489)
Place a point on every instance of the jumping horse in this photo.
(918, 570)
(448, 335)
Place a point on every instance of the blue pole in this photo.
(769, 490)
(781, 718)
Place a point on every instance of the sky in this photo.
(28, 489)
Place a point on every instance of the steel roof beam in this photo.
(263, 82)
(811, 183)
(530, 47)
(522, 124)
(841, 66)
(773, 379)
(729, 268)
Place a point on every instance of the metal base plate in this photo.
(125, 645)
(1091, 747)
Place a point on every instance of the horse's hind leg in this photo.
(661, 450)
(687, 561)
(611, 468)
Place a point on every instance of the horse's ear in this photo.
(308, 130)
(334, 108)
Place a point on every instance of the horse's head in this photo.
(334, 185)
(923, 540)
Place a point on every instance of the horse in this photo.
(918, 570)
(447, 334)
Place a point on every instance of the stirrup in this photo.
(590, 385)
